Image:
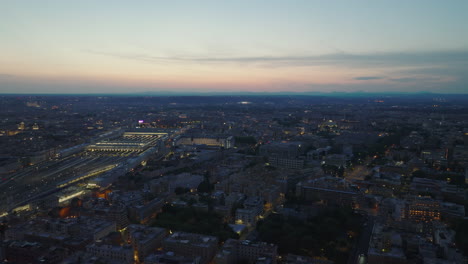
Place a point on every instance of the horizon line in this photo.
(186, 93)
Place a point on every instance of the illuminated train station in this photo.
(111, 156)
(129, 142)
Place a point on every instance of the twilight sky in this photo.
(226, 46)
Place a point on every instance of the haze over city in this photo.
(231, 47)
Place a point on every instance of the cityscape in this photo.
(234, 179)
(234, 132)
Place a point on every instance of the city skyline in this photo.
(244, 46)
